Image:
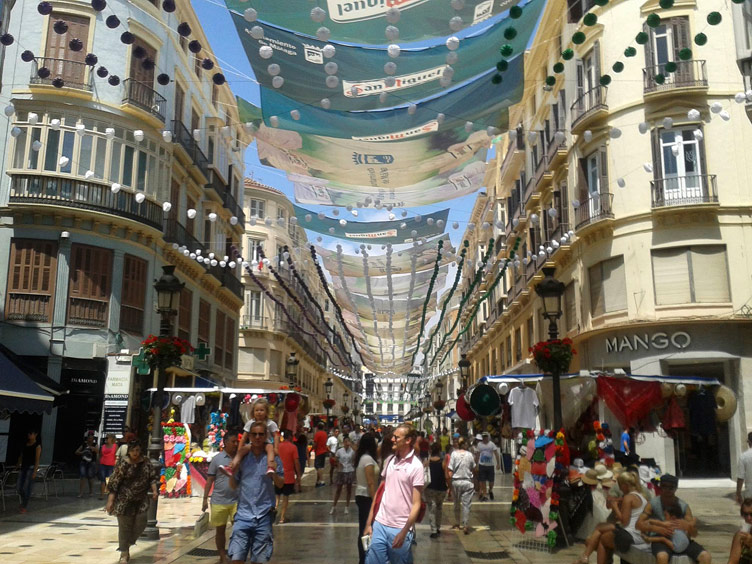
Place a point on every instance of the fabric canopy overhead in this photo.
(400, 284)
(18, 392)
(357, 21)
(354, 77)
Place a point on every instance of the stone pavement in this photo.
(71, 530)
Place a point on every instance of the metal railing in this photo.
(70, 192)
(561, 228)
(74, 74)
(684, 190)
(595, 208)
(132, 319)
(231, 204)
(175, 232)
(87, 312)
(183, 137)
(687, 74)
(254, 322)
(593, 99)
(143, 96)
(28, 307)
(230, 281)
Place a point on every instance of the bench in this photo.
(637, 556)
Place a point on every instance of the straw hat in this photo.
(603, 472)
(590, 477)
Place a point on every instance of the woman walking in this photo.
(134, 477)
(87, 467)
(28, 462)
(436, 491)
(106, 462)
(346, 474)
(460, 472)
(366, 479)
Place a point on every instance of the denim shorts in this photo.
(105, 471)
(87, 469)
(254, 537)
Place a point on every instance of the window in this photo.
(589, 75)
(281, 213)
(90, 283)
(184, 314)
(666, 40)
(697, 274)
(179, 102)
(530, 332)
(230, 342)
(219, 337)
(570, 307)
(133, 295)
(608, 286)
(258, 208)
(63, 61)
(253, 306)
(275, 363)
(253, 251)
(253, 361)
(593, 174)
(678, 159)
(142, 72)
(31, 280)
(197, 66)
(204, 321)
(518, 344)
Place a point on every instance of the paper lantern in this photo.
(166, 206)
(250, 15)
(463, 409)
(191, 213)
(328, 51)
(115, 187)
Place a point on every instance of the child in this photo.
(260, 413)
(679, 541)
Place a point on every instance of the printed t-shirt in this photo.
(486, 453)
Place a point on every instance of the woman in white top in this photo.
(460, 474)
(366, 481)
(346, 475)
(627, 511)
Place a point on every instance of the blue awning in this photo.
(519, 378)
(18, 392)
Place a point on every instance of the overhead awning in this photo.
(37, 376)
(18, 392)
(519, 378)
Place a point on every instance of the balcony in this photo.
(175, 232)
(689, 75)
(229, 281)
(594, 209)
(28, 307)
(556, 152)
(73, 193)
(87, 312)
(255, 322)
(684, 190)
(144, 97)
(73, 73)
(228, 200)
(183, 137)
(590, 105)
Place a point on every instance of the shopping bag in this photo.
(202, 525)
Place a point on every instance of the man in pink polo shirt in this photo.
(392, 528)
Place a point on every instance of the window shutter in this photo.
(184, 314)
(229, 342)
(90, 284)
(597, 306)
(204, 321)
(603, 171)
(671, 276)
(680, 30)
(580, 80)
(655, 135)
(614, 285)
(597, 62)
(649, 60)
(31, 280)
(710, 274)
(582, 183)
(133, 294)
(219, 338)
(570, 307)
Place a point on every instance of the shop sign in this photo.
(646, 341)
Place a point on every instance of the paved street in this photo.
(71, 530)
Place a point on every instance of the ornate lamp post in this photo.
(439, 403)
(291, 370)
(551, 290)
(464, 366)
(168, 289)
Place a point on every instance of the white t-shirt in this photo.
(355, 437)
(524, 402)
(332, 444)
(346, 459)
(188, 410)
(271, 429)
(361, 482)
(745, 471)
(486, 453)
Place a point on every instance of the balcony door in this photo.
(62, 61)
(138, 73)
(666, 41)
(681, 165)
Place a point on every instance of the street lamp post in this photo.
(291, 370)
(551, 290)
(439, 392)
(464, 366)
(328, 385)
(168, 289)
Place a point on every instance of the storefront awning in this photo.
(519, 378)
(18, 392)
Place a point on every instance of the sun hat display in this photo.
(590, 477)
(200, 399)
(603, 472)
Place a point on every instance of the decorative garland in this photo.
(428, 298)
(413, 267)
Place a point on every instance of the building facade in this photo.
(637, 193)
(110, 172)
(272, 325)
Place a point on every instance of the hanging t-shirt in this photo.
(486, 453)
(188, 410)
(524, 402)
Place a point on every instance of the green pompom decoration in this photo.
(558, 68)
(630, 52)
(550, 80)
(601, 2)
(666, 4)
(685, 54)
(496, 79)
(605, 80)
(515, 12)
(567, 54)
(590, 19)
(701, 39)
(659, 78)
(528, 525)
(642, 38)
(578, 38)
(670, 66)
(466, 243)
(506, 50)
(502, 66)
(510, 33)
(654, 20)
(738, 1)
(618, 66)
(714, 18)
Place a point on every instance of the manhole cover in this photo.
(204, 552)
(488, 555)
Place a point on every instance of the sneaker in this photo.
(331, 511)
(435, 535)
(490, 494)
(347, 510)
(226, 469)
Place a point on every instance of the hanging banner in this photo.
(355, 76)
(478, 101)
(374, 231)
(440, 188)
(352, 265)
(362, 306)
(400, 163)
(400, 283)
(357, 21)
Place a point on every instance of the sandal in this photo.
(467, 530)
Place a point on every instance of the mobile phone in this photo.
(365, 542)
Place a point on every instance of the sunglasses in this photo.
(258, 434)
(746, 514)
